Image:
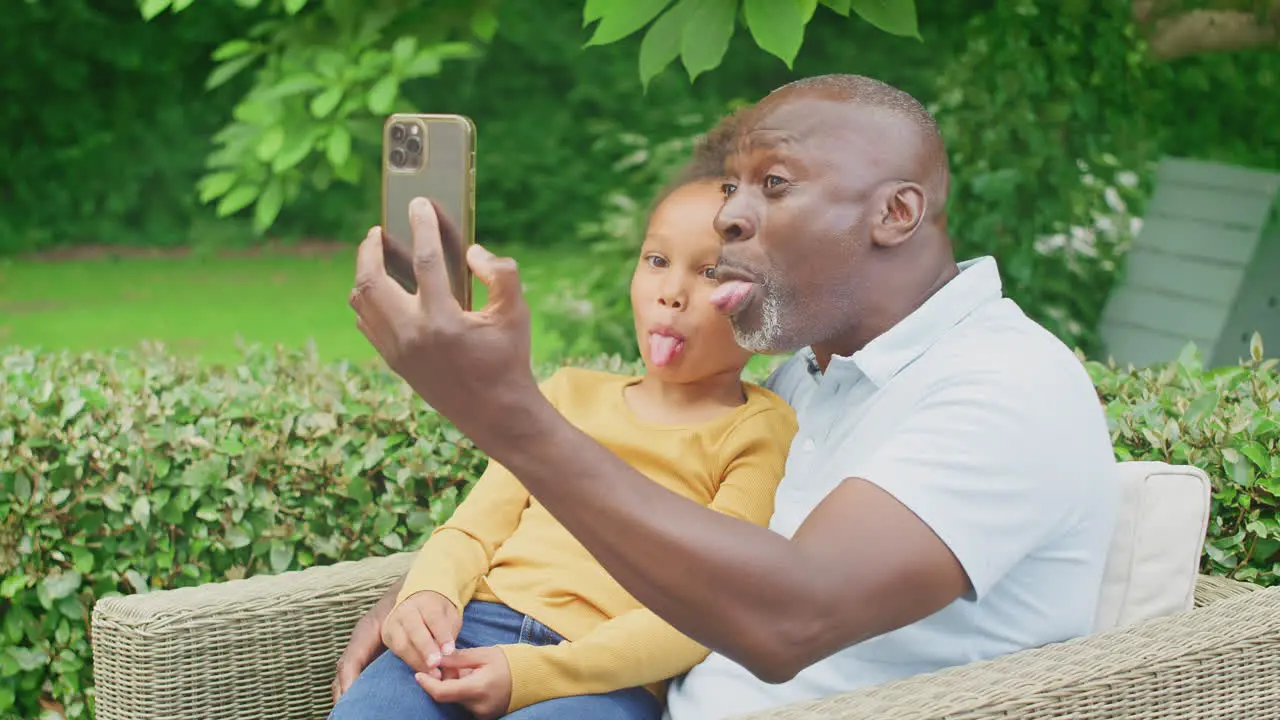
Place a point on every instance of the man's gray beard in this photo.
(767, 337)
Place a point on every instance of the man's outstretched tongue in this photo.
(729, 295)
(662, 348)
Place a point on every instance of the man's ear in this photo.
(899, 214)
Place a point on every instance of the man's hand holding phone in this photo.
(421, 630)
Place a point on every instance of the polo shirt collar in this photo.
(884, 357)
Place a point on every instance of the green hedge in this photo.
(137, 471)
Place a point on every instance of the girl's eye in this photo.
(709, 272)
(656, 261)
(728, 189)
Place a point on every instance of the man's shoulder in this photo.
(786, 378)
(1003, 349)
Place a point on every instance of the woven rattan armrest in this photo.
(263, 647)
(266, 647)
(1212, 588)
(1217, 662)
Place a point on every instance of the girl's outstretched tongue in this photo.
(663, 348)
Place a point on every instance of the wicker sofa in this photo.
(266, 647)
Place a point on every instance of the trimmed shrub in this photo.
(1225, 421)
(136, 471)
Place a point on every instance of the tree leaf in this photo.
(237, 200)
(215, 185)
(339, 147)
(270, 143)
(484, 24)
(281, 556)
(296, 147)
(403, 49)
(82, 560)
(227, 70)
(358, 490)
(661, 43)
(384, 523)
(706, 35)
(62, 585)
(841, 7)
(152, 8)
(1239, 471)
(71, 408)
(137, 581)
(621, 19)
(325, 102)
(12, 583)
(1201, 408)
(269, 204)
(777, 26)
(382, 96)
(896, 17)
(236, 537)
(596, 9)
(141, 511)
(231, 48)
(419, 521)
(293, 7)
(22, 488)
(1258, 454)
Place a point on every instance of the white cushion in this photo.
(1154, 558)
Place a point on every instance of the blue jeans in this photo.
(386, 689)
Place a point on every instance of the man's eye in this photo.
(772, 181)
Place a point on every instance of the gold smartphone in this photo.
(432, 156)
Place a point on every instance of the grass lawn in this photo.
(201, 305)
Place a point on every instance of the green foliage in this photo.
(1225, 421)
(698, 31)
(136, 471)
(103, 129)
(127, 473)
(1047, 168)
(324, 75)
(326, 72)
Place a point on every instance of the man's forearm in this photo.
(729, 584)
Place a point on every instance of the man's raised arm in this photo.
(894, 542)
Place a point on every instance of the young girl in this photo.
(544, 631)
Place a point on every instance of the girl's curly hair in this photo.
(707, 160)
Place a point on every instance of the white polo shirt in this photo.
(989, 429)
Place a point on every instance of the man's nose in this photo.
(732, 223)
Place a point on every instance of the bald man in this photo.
(950, 495)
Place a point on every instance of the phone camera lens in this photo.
(398, 157)
(397, 132)
(414, 145)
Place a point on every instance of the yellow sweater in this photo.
(502, 545)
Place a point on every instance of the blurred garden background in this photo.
(184, 396)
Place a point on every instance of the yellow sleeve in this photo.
(460, 551)
(638, 647)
